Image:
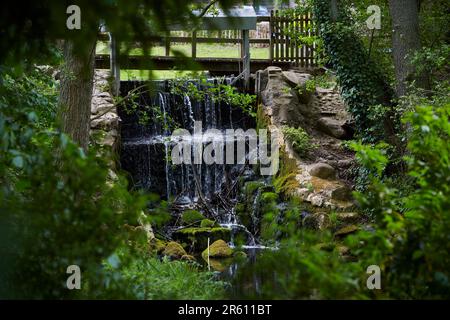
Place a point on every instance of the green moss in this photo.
(207, 223)
(174, 250)
(286, 182)
(190, 217)
(262, 120)
(218, 249)
(157, 245)
(197, 238)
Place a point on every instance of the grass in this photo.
(152, 278)
(204, 50)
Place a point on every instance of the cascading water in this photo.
(146, 150)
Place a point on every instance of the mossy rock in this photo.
(220, 265)
(188, 257)
(197, 238)
(174, 250)
(346, 230)
(217, 250)
(239, 255)
(191, 217)
(207, 223)
(157, 245)
(330, 246)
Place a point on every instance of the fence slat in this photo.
(283, 48)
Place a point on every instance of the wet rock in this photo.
(331, 127)
(342, 193)
(317, 221)
(346, 230)
(219, 265)
(316, 200)
(174, 250)
(188, 257)
(322, 170)
(218, 249)
(197, 238)
(348, 217)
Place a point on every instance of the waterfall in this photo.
(146, 150)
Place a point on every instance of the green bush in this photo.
(57, 207)
(300, 140)
(408, 238)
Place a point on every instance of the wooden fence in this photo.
(283, 47)
(283, 50)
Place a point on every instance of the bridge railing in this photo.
(283, 50)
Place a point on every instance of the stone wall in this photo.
(105, 120)
(320, 178)
(104, 117)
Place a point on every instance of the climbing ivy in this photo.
(362, 83)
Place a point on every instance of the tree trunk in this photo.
(405, 40)
(76, 91)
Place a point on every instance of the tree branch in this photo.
(205, 9)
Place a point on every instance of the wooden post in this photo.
(167, 40)
(114, 65)
(271, 35)
(245, 53)
(194, 44)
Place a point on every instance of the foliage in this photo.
(28, 35)
(57, 208)
(203, 89)
(361, 81)
(408, 239)
(191, 216)
(133, 103)
(151, 278)
(300, 140)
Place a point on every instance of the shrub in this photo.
(300, 140)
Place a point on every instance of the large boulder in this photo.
(317, 221)
(218, 249)
(296, 78)
(342, 193)
(332, 127)
(174, 250)
(322, 170)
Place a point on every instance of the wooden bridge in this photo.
(283, 51)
